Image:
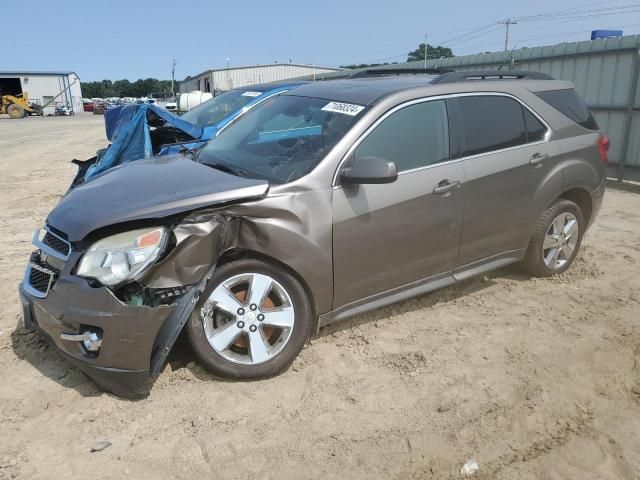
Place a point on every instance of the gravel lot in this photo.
(531, 378)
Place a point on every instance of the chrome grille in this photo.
(39, 277)
(57, 243)
(52, 243)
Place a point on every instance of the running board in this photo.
(387, 298)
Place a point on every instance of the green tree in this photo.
(125, 88)
(121, 88)
(432, 52)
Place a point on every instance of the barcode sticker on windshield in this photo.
(251, 94)
(346, 108)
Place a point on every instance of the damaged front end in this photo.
(82, 288)
(120, 336)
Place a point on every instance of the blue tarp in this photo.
(128, 128)
(118, 117)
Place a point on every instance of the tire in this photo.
(539, 260)
(211, 325)
(16, 111)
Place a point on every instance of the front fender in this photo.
(296, 230)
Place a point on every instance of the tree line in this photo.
(144, 87)
(125, 88)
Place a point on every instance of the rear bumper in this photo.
(135, 339)
(597, 196)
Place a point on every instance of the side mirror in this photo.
(369, 170)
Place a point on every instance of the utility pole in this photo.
(506, 23)
(173, 75)
(426, 49)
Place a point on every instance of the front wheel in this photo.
(16, 111)
(556, 240)
(251, 322)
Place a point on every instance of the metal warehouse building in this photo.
(228, 78)
(45, 88)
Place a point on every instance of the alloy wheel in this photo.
(248, 319)
(560, 241)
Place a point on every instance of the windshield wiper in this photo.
(194, 153)
(223, 167)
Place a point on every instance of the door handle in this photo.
(445, 186)
(538, 158)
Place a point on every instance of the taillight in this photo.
(603, 148)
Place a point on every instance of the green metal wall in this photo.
(604, 72)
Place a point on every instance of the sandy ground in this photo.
(531, 378)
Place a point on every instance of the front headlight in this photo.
(119, 258)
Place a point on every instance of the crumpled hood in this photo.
(148, 189)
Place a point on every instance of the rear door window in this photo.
(413, 137)
(569, 103)
(490, 123)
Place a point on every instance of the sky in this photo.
(134, 39)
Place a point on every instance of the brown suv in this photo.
(324, 202)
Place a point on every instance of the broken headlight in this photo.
(122, 257)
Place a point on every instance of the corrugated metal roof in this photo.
(263, 66)
(33, 72)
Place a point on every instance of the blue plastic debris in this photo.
(128, 128)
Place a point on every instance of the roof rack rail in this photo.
(381, 72)
(452, 77)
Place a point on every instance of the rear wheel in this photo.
(16, 111)
(251, 322)
(556, 240)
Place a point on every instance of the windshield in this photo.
(282, 140)
(220, 107)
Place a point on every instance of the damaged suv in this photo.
(325, 202)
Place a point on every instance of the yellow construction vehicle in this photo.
(18, 106)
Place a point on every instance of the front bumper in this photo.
(135, 339)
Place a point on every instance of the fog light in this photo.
(92, 341)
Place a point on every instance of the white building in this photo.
(45, 88)
(237, 77)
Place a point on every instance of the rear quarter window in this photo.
(569, 103)
(536, 131)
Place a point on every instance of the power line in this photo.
(586, 5)
(495, 27)
(471, 34)
(554, 23)
(579, 12)
(474, 31)
(418, 38)
(520, 40)
(507, 23)
(173, 75)
(559, 16)
(562, 34)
